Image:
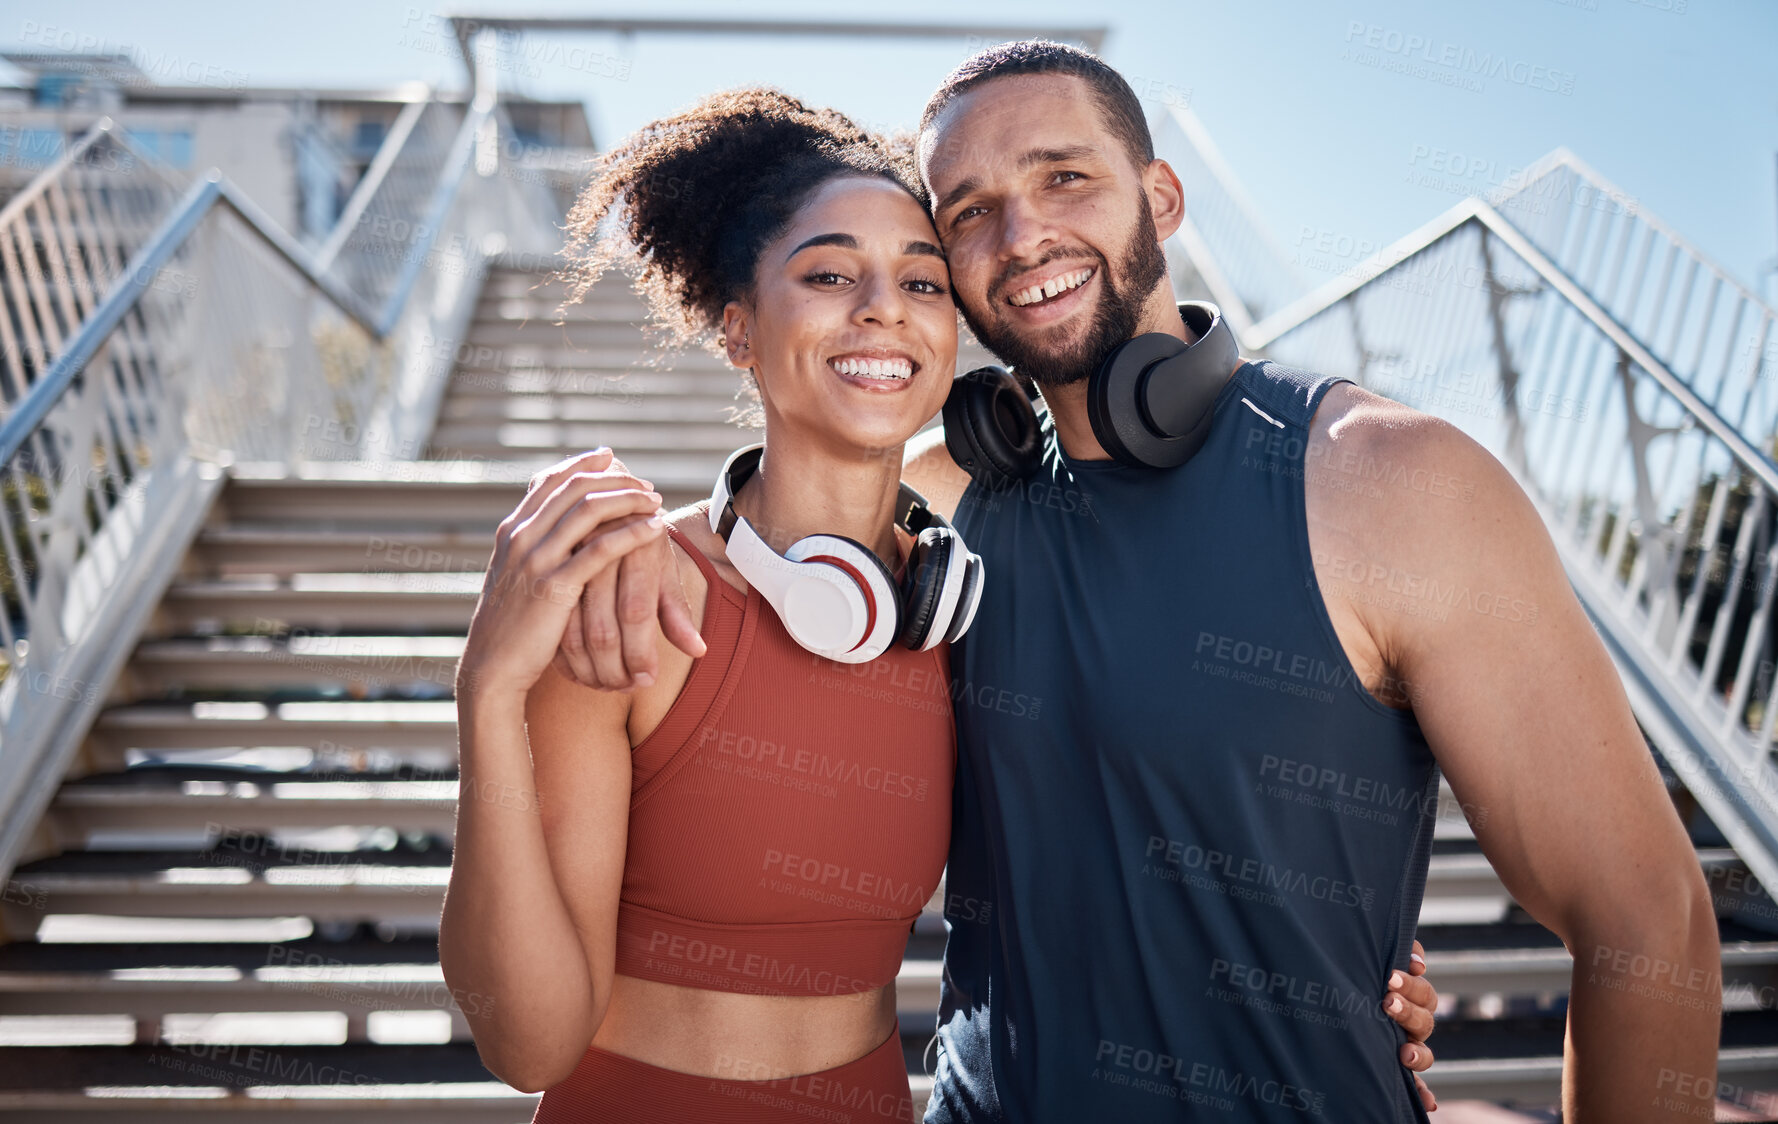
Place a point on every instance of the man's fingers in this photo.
(1427, 1100)
(676, 623)
(1417, 1056)
(1417, 961)
(638, 592)
(571, 656)
(1414, 1019)
(599, 630)
(1416, 990)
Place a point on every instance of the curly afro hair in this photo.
(687, 203)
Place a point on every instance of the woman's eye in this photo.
(826, 277)
(933, 288)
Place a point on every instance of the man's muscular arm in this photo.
(1434, 547)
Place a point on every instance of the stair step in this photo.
(363, 664)
(259, 876)
(384, 496)
(619, 385)
(692, 415)
(362, 603)
(680, 477)
(290, 548)
(418, 733)
(632, 360)
(266, 802)
(348, 1084)
(634, 440)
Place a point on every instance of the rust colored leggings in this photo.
(608, 1088)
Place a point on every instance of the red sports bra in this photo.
(790, 815)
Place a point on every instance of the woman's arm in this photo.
(531, 976)
(530, 965)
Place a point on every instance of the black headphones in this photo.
(1149, 403)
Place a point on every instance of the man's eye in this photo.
(967, 213)
(1064, 177)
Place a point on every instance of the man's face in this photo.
(1046, 223)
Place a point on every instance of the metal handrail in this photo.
(456, 167)
(210, 191)
(1565, 158)
(466, 29)
(372, 180)
(1476, 210)
(1707, 327)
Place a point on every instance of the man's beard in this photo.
(1113, 320)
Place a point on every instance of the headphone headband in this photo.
(913, 514)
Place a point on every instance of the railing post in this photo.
(1508, 373)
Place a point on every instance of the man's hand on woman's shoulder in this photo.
(609, 642)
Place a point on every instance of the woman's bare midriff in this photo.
(742, 1037)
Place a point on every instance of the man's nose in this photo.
(1024, 231)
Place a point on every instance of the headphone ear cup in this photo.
(923, 587)
(991, 429)
(968, 599)
(882, 599)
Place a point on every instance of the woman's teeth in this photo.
(874, 368)
(1050, 288)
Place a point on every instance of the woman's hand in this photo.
(543, 559)
(1413, 1003)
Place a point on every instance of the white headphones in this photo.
(835, 597)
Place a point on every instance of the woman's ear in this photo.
(735, 338)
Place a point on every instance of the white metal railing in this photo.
(64, 239)
(365, 248)
(1229, 253)
(221, 338)
(1665, 513)
(1708, 328)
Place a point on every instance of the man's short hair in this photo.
(1118, 104)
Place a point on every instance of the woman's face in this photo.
(853, 334)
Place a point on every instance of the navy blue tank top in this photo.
(1188, 845)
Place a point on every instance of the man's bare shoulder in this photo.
(1377, 455)
(1414, 503)
(927, 467)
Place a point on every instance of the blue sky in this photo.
(1674, 100)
